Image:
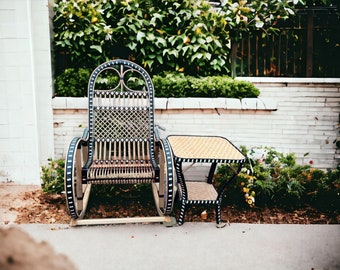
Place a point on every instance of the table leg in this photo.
(220, 224)
(218, 212)
(212, 172)
(184, 195)
(182, 213)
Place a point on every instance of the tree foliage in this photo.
(185, 36)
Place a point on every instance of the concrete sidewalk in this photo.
(194, 246)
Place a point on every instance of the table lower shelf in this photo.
(200, 191)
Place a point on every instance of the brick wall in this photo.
(289, 115)
(26, 131)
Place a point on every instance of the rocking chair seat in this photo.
(121, 172)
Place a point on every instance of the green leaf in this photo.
(161, 41)
(218, 43)
(173, 39)
(185, 49)
(140, 37)
(160, 59)
(148, 63)
(196, 47)
(150, 37)
(289, 11)
(97, 48)
(196, 55)
(207, 56)
(259, 24)
(132, 46)
(201, 41)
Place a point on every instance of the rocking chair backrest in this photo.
(121, 113)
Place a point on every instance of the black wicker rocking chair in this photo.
(121, 144)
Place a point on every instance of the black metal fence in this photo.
(308, 46)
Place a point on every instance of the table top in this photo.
(204, 148)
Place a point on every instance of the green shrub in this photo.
(326, 194)
(271, 178)
(170, 85)
(52, 176)
(179, 85)
(72, 82)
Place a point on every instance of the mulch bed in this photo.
(51, 208)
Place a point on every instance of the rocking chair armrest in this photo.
(157, 136)
(80, 143)
(76, 143)
(86, 134)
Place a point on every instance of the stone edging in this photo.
(266, 104)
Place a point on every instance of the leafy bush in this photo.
(81, 31)
(219, 86)
(170, 85)
(271, 178)
(73, 83)
(171, 35)
(52, 176)
(324, 189)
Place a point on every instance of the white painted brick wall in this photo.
(292, 118)
(26, 130)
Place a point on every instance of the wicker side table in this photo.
(203, 149)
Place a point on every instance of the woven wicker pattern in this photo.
(201, 191)
(204, 147)
(115, 123)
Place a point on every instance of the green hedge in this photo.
(73, 83)
(179, 85)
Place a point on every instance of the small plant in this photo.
(326, 194)
(52, 176)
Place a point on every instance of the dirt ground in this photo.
(19, 251)
(28, 204)
(13, 199)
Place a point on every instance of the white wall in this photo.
(292, 117)
(26, 130)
